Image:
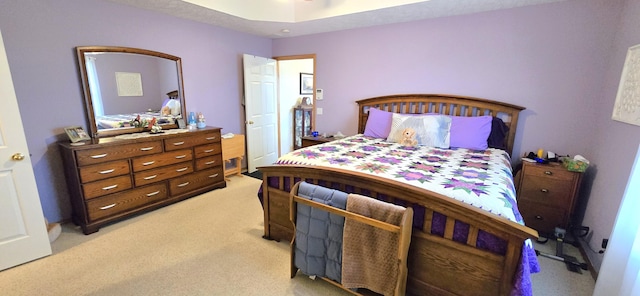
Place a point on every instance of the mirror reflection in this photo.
(126, 89)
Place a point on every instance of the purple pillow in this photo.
(470, 132)
(378, 123)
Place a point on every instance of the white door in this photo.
(261, 111)
(23, 233)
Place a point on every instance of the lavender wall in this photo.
(554, 59)
(548, 58)
(615, 143)
(40, 39)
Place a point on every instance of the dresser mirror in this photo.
(126, 89)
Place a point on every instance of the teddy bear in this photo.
(409, 137)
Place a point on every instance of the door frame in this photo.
(311, 56)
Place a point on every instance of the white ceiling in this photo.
(269, 18)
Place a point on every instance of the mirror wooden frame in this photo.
(91, 117)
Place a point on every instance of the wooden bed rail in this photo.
(431, 254)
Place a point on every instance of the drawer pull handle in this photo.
(150, 177)
(213, 176)
(209, 151)
(210, 162)
(548, 172)
(211, 138)
(148, 163)
(182, 169)
(147, 148)
(108, 207)
(538, 217)
(109, 187)
(107, 171)
(183, 184)
(98, 156)
(544, 190)
(153, 193)
(181, 156)
(178, 143)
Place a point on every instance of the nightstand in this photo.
(547, 196)
(310, 141)
(233, 148)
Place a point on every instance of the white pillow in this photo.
(431, 130)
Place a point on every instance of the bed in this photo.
(458, 246)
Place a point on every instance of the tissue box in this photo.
(573, 165)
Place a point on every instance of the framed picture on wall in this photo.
(306, 84)
(76, 134)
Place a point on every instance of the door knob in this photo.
(17, 156)
(250, 122)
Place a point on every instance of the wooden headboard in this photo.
(443, 104)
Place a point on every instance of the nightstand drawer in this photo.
(542, 218)
(552, 192)
(550, 171)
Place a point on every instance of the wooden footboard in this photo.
(439, 263)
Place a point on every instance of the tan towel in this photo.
(370, 254)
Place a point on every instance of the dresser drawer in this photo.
(542, 218)
(100, 155)
(104, 170)
(190, 141)
(208, 150)
(208, 162)
(163, 173)
(158, 160)
(120, 202)
(553, 192)
(106, 186)
(195, 181)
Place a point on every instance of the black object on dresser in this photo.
(110, 179)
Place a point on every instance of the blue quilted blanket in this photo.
(318, 248)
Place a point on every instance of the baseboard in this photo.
(592, 270)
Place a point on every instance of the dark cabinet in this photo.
(301, 125)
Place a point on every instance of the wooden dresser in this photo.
(111, 179)
(547, 195)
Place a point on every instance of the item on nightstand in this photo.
(576, 164)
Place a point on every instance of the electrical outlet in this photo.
(319, 111)
(605, 242)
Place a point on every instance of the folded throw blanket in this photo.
(370, 254)
(318, 249)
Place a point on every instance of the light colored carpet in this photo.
(207, 245)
